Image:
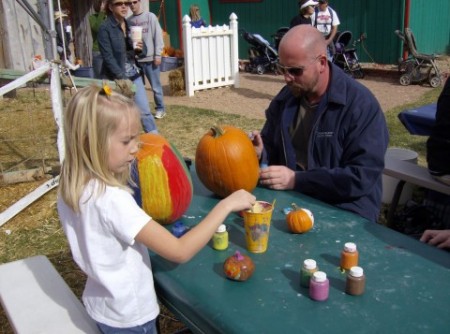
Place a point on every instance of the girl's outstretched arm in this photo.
(158, 239)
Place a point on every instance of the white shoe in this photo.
(71, 66)
(160, 114)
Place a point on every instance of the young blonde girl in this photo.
(108, 233)
(196, 18)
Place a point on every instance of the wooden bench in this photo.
(409, 172)
(37, 300)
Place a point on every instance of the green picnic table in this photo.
(407, 282)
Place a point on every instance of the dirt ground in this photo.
(256, 91)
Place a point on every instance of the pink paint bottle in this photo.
(319, 286)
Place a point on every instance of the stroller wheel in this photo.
(260, 69)
(359, 74)
(435, 81)
(405, 80)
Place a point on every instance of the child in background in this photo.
(196, 19)
(107, 231)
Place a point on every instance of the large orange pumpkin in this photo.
(165, 185)
(299, 220)
(226, 161)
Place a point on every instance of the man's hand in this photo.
(277, 177)
(438, 238)
(258, 144)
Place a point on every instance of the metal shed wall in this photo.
(430, 23)
(378, 19)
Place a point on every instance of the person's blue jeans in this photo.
(147, 328)
(148, 122)
(97, 63)
(153, 73)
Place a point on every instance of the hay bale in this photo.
(177, 82)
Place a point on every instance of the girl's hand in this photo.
(239, 200)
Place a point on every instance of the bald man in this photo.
(325, 134)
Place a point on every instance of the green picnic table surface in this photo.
(407, 282)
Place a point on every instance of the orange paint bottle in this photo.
(349, 256)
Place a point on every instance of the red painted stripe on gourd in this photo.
(179, 183)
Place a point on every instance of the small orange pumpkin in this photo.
(299, 220)
(226, 161)
(238, 267)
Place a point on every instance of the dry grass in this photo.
(27, 129)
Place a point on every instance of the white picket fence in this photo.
(210, 55)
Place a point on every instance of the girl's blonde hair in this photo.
(93, 114)
(194, 13)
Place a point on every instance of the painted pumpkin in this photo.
(299, 220)
(226, 161)
(238, 267)
(164, 182)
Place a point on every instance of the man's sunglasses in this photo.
(294, 71)
(122, 3)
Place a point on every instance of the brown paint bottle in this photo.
(356, 281)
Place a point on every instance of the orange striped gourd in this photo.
(164, 181)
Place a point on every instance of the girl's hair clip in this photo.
(107, 90)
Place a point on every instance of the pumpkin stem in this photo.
(238, 256)
(217, 131)
(294, 206)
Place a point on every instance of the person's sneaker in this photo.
(160, 114)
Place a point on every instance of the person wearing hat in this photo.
(306, 9)
(63, 40)
(326, 20)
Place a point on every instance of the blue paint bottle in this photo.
(178, 229)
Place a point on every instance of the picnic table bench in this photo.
(409, 172)
(36, 299)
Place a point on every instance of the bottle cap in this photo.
(309, 264)
(350, 247)
(319, 276)
(221, 228)
(178, 229)
(356, 271)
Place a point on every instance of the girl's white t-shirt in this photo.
(119, 291)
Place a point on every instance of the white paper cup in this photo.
(136, 33)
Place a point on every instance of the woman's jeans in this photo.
(148, 122)
(97, 63)
(147, 328)
(152, 73)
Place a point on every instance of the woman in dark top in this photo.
(119, 56)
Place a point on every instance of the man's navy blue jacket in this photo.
(346, 147)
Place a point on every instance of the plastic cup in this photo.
(257, 226)
(136, 34)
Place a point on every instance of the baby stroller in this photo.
(263, 56)
(418, 67)
(345, 57)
